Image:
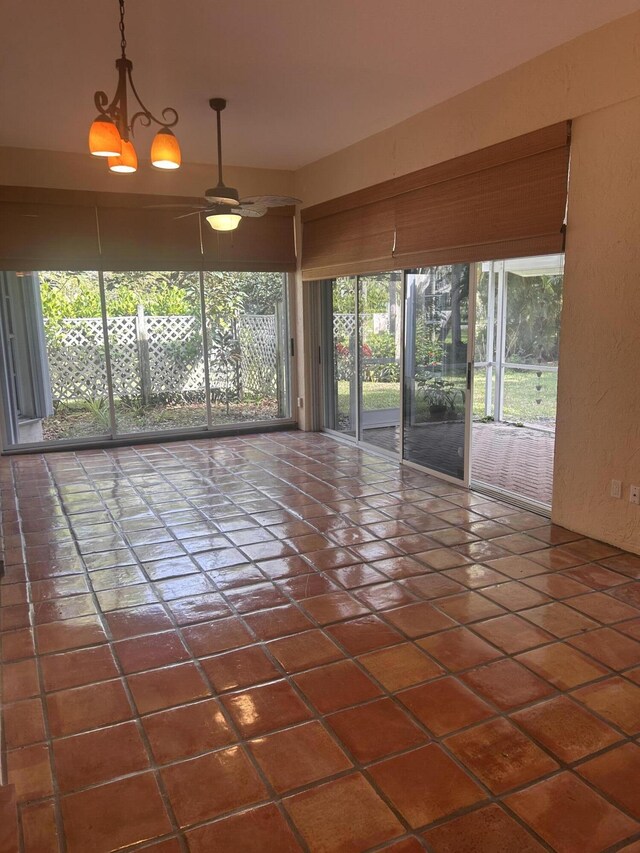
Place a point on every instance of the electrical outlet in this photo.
(616, 489)
(300, 402)
(634, 494)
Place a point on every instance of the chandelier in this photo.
(109, 135)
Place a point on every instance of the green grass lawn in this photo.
(520, 396)
(376, 395)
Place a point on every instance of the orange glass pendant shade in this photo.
(165, 151)
(109, 133)
(127, 161)
(104, 138)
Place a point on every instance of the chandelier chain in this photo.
(123, 40)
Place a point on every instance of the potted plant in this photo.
(440, 396)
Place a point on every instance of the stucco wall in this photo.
(598, 434)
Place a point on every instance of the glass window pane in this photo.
(533, 303)
(246, 315)
(155, 344)
(485, 342)
(380, 306)
(53, 330)
(341, 379)
(482, 354)
(530, 397)
(533, 307)
(436, 323)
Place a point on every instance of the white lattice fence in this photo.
(125, 364)
(344, 326)
(76, 359)
(175, 354)
(257, 334)
(152, 356)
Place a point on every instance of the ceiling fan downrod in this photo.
(221, 194)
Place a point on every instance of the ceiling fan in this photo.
(223, 207)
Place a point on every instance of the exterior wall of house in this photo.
(595, 80)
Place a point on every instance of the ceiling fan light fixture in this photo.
(223, 208)
(104, 138)
(224, 221)
(165, 150)
(126, 162)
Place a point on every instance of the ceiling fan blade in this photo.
(253, 210)
(271, 200)
(192, 213)
(175, 207)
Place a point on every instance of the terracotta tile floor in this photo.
(517, 459)
(278, 643)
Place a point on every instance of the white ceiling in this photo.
(303, 78)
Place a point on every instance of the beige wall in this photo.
(595, 80)
(591, 72)
(598, 434)
(29, 167)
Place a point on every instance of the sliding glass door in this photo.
(380, 321)
(91, 356)
(52, 345)
(363, 347)
(437, 377)
(247, 345)
(375, 324)
(341, 336)
(418, 362)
